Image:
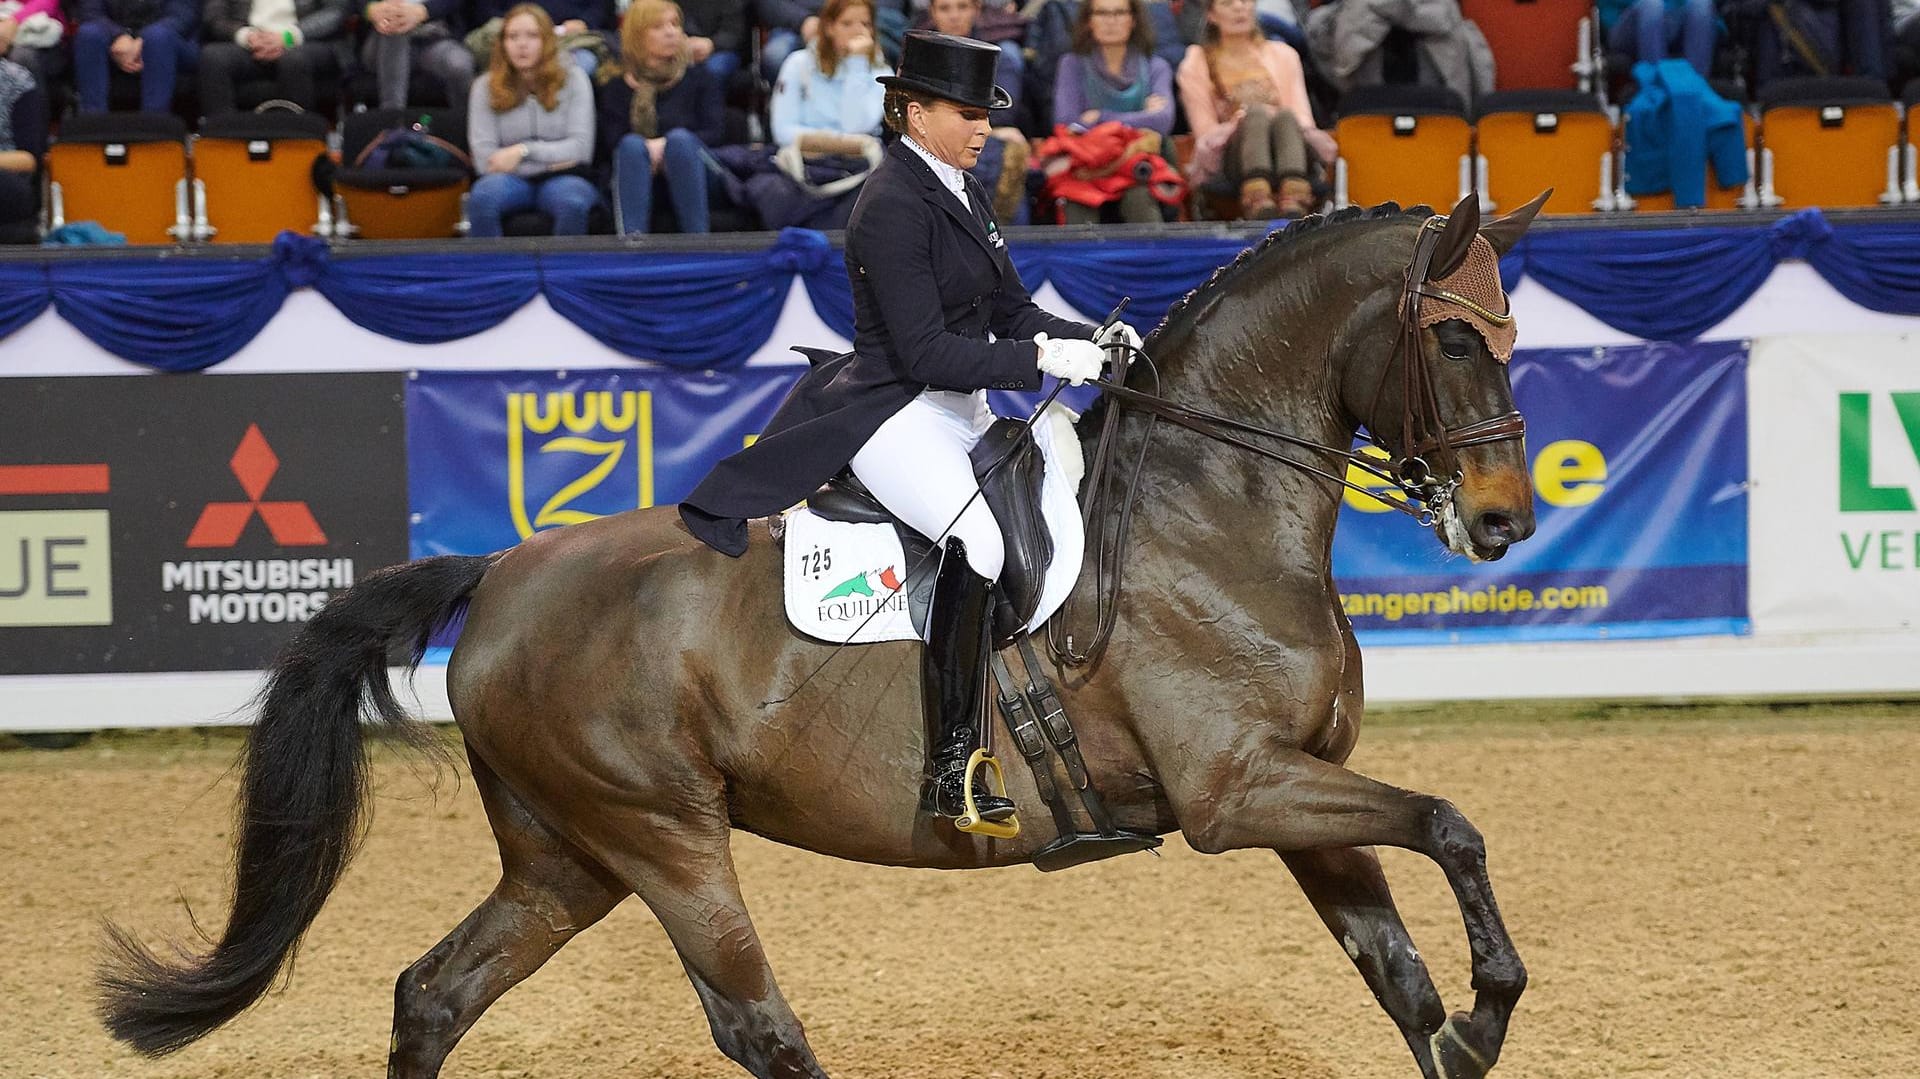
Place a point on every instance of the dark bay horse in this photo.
(612, 679)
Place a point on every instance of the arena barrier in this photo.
(1732, 515)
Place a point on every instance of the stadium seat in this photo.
(398, 204)
(1537, 44)
(125, 170)
(1718, 198)
(1406, 144)
(1530, 140)
(253, 174)
(1829, 142)
(1910, 98)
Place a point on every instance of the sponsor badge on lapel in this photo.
(994, 237)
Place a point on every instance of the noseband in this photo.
(1425, 438)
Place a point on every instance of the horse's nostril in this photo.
(1497, 529)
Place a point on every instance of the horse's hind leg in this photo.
(681, 866)
(1348, 890)
(548, 892)
(1286, 800)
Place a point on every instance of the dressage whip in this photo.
(1026, 432)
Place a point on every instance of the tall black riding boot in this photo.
(953, 680)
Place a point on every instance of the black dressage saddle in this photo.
(1010, 469)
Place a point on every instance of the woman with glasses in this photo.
(1112, 75)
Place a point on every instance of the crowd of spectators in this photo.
(647, 113)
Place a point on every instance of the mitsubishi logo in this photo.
(254, 464)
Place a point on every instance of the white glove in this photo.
(1119, 334)
(1070, 359)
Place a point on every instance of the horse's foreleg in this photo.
(1350, 893)
(548, 892)
(1271, 796)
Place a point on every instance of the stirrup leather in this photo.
(969, 820)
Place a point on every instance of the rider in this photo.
(931, 279)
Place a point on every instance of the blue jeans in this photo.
(567, 199)
(688, 171)
(721, 65)
(1649, 30)
(164, 54)
(780, 44)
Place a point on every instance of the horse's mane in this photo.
(1186, 313)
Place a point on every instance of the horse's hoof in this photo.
(1453, 1056)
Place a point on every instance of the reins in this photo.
(1423, 432)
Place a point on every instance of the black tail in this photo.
(302, 791)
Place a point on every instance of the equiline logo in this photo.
(864, 584)
(859, 596)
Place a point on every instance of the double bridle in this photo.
(1426, 439)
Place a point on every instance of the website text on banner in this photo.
(1836, 467)
(1639, 472)
(494, 458)
(188, 524)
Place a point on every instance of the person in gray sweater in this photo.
(530, 127)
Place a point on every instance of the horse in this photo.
(615, 685)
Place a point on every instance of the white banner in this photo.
(1835, 460)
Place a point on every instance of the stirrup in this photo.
(969, 819)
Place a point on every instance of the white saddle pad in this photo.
(839, 575)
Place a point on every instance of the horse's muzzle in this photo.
(1493, 531)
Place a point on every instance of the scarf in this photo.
(1102, 94)
(15, 81)
(648, 79)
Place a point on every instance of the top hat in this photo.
(956, 69)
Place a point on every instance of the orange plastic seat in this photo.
(256, 174)
(1827, 141)
(1718, 197)
(1530, 140)
(400, 204)
(127, 171)
(1404, 144)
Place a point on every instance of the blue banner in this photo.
(493, 457)
(1639, 465)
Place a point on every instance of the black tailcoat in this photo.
(930, 280)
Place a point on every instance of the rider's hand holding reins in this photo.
(1069, 359)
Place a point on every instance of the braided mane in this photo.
(1185, 314)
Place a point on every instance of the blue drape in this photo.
(714, 310)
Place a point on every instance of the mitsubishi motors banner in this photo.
(495, 457)
(1836, 466)
(1639, 466)
(188, 522)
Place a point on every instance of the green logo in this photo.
(1857, 491)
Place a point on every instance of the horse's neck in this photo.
(1207, 499)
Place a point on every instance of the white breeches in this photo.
(916, 464)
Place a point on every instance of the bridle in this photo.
(1427, 470)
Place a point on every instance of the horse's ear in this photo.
(1450, 250)
(1504, 232)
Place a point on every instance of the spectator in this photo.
(157, 40)
(405, 33)
(584, 27)
(1650, 30)
(1246, 100)
(1906, 41)
(717, 31)
(23, 142)
(1801, 38)
(826, 98)
(292, 42)
(530, 126)
(657, 120)
(31, 32)
(1112, 75)
(1002, 167)
(790, 25)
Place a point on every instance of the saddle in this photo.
(1010, 470)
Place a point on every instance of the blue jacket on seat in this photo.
(1676, 125)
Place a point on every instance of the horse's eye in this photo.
(1456, 350)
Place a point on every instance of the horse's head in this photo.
(1440, 399)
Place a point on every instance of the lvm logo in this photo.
(56, 566)
(1886, 548)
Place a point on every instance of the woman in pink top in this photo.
(1246, 100)
(30, 33)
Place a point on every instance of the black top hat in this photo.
(952, 68)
